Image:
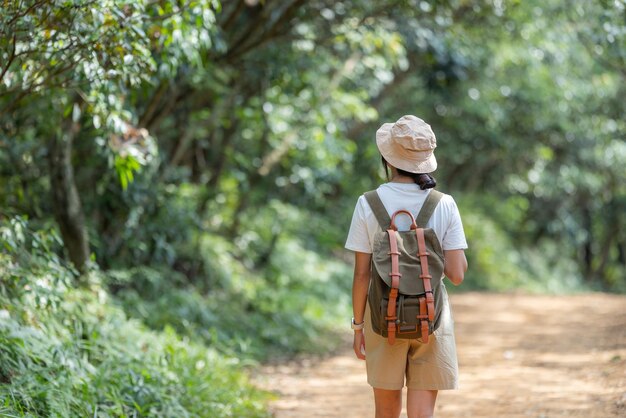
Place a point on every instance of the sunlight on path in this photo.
(519, 355)
(334, 387)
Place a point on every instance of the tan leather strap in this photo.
(423, 254)
(392, 316)
(423, 317)
(398, 212)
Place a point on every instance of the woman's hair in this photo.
(424, 180)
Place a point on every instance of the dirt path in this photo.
(519, 356)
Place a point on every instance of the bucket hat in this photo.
(408, 144)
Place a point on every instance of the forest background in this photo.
(177, 177)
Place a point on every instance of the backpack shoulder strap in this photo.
(378, 208)
(431, 202)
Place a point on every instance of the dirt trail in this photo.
(519, 356)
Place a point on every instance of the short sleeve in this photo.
(454, 237)
(358, 239)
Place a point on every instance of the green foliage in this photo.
(217, 151)
(126, 167)
(498, 262)
(295, 304)
(232, 103)
(68, 352)
(86, 62)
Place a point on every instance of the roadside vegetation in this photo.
(177, 180)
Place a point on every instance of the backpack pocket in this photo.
(407, 308)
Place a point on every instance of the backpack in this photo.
(406, 276)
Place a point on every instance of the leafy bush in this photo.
(294, 304)
(499, 261)
(71, 352)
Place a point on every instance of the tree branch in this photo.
(274, 31)
(251, 28)
(232, 17)
(153, 103)
(26, 12)
(10, 60)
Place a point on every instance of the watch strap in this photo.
(356, 326)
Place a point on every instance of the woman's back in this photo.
(445, 220)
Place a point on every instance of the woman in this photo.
(407, 149)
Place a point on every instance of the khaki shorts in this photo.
(431, 366)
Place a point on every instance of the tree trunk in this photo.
(66, 205)
(218, 163)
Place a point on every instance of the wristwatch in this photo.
(356, 326)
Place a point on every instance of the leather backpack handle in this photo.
(406, 212)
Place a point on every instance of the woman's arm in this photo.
(455, 265)
(360, 284)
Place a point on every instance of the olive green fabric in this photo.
(380, 212)
(431, 202)
(411, 285)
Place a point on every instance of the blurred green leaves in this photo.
(254, 103)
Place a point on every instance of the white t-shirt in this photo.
(445, 221)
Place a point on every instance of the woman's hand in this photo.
(359, 344)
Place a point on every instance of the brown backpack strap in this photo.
(427, 314)
(431, 202)
(378, 208)
(392, 316)
(423, 317)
